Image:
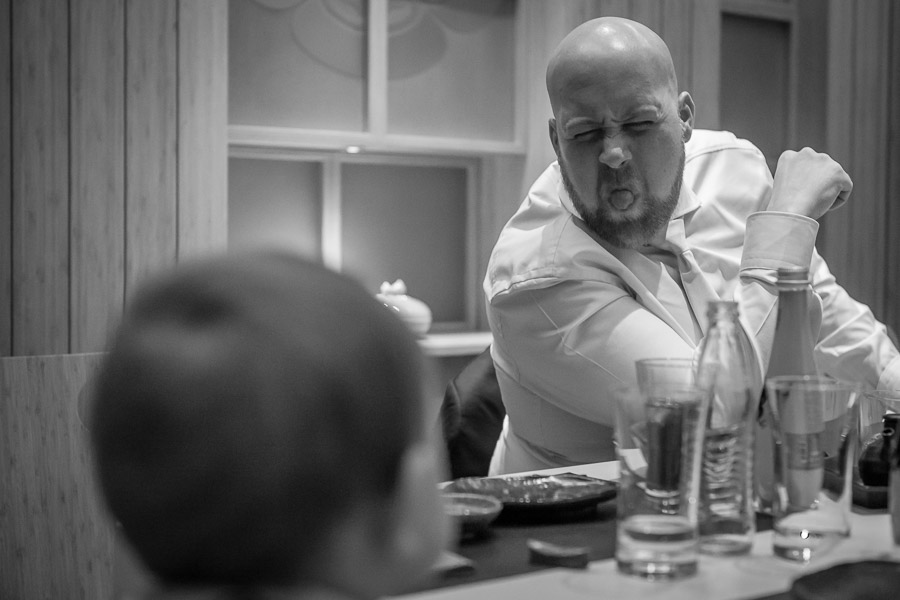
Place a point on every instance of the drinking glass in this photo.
(814, 432)
(659, 433)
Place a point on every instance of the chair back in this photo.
(472, 417)
(55, 539)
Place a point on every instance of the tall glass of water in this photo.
(659, 437)
(814, 434)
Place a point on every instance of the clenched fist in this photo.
(809, 183)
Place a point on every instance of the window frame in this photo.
(376, 145)
(376, 137)
(332, 211)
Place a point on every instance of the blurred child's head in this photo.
(260, 421)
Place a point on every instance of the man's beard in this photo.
(632, 232)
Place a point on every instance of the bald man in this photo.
(619, 246)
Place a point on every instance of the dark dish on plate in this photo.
(523, 495)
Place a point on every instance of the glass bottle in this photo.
(794, 342)
(727, 518)
(792, 354)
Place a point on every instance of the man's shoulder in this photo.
(537, 251)
(706, 141)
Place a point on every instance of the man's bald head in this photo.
(618, 129)
(606, 46)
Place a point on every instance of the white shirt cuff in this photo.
(778, 239)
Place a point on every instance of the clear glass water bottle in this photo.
(792, 354)
(727, 517)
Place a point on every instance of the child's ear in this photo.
(385, 545)
(419, 527)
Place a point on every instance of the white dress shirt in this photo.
(571, 314)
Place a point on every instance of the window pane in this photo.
(754, 98)
(409, 223)
(275, 203)
(451, 68)
(297, 63)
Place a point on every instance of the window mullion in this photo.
(331, 214)
(376, 82)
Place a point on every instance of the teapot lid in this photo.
(397, 288)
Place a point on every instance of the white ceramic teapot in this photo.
(411, 311)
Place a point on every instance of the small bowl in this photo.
(473, 513)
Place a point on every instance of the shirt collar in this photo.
(687, 201)
(563, 194)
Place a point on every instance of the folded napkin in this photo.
(862, 580)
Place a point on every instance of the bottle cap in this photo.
(725, 307)
(793, 273)
(793, 277)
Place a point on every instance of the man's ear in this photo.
(554, 137)
(686, 115)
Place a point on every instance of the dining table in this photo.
(498, 566)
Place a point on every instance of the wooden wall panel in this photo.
(867, 262)
(892, 266)
(648, 13)
(812, 75)
(706, 49)
(677, 31)
(97, 131)
(5, 182)
(832, 240)
(853, 238)
(113, 154)
(151, 140)
(57, 541)
(40, 177)
(202, 126)
(614, 8)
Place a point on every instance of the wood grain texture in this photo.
(892, 266)
(649, 13)
(97, 140)
(705, 62)
(40, 202)
(56, 542)
(616, 8)
(865, 277)
(5, 182)
(202, 126)
(832, 240)
(678, 33)
(812, 76)
(858, 77)
(151, 140)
